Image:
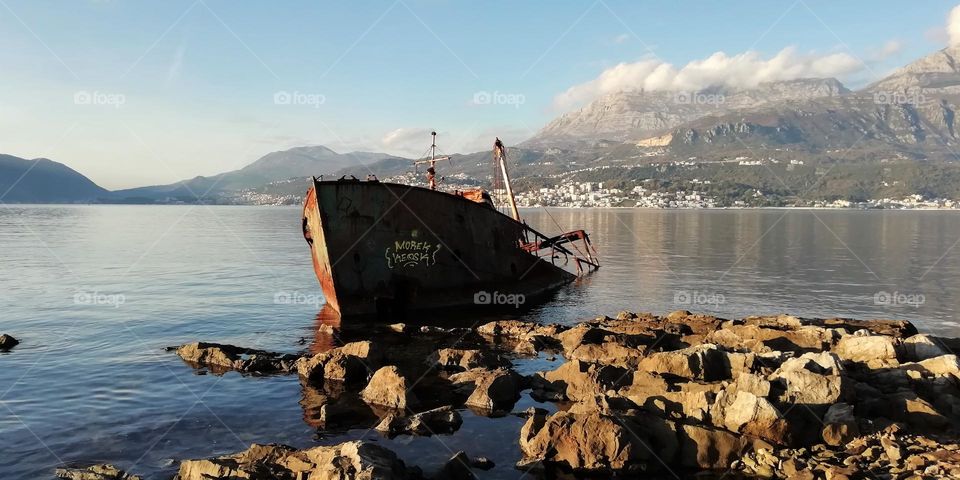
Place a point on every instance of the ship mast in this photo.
(500, 156)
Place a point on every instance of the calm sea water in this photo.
(95, 293)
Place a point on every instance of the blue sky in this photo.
(134, 92)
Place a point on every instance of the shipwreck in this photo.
(390, 248)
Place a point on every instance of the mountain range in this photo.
(823, 130)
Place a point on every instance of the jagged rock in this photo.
(920, 347)
(693, 405)
(389, 388)
(753, 383)
(490, 389)
(577, 380)
(890, 328)
(7, 342)
(220, 358)
(908, 407)
(356, 460)
(711, 448)
(371, 352)
(482, 463)
(460, 360)
(873, 350)
(457, 468)
(839, 425)
(814, 380)
(592, 344)
(95, 472)
(581, 334)
(944, 365)
(518, 329)
(432, 422)
(743, 412)
(700, 362)
(345, 368)
(643, 386)
(824, 363)
(756, 337)
(597, 442)
(401, 328)
(351, 362)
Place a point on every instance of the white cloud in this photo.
(892, 47)
(622, 38)
(953, 26)
(742, 70)
(407, 141)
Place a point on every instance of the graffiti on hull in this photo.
(411, 253)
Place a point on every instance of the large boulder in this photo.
(824, 363)
(575, 380)
(95, 472)
(839, 425)
(389, 388)
(518, 329)
(431, 422)
(873, 350)
(753, 383)
(920, 347)
(489, 390)
(595, 442)
(702, 362)
(460, 359)
(743, 412)
(372, 353)
(704, 447)
(942, 366)
(766, 336)
(355, 460)
(351, 362)
(221, 358)
(814, 380)
(911, 409)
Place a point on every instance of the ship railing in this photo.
(585, 258)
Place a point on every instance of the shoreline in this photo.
(772, 397)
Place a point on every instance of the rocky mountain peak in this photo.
(637, 114)
(938, 71)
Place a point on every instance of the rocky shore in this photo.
(639, 394)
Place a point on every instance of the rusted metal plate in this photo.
(387, 247)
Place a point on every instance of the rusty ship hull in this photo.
(381, 247)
